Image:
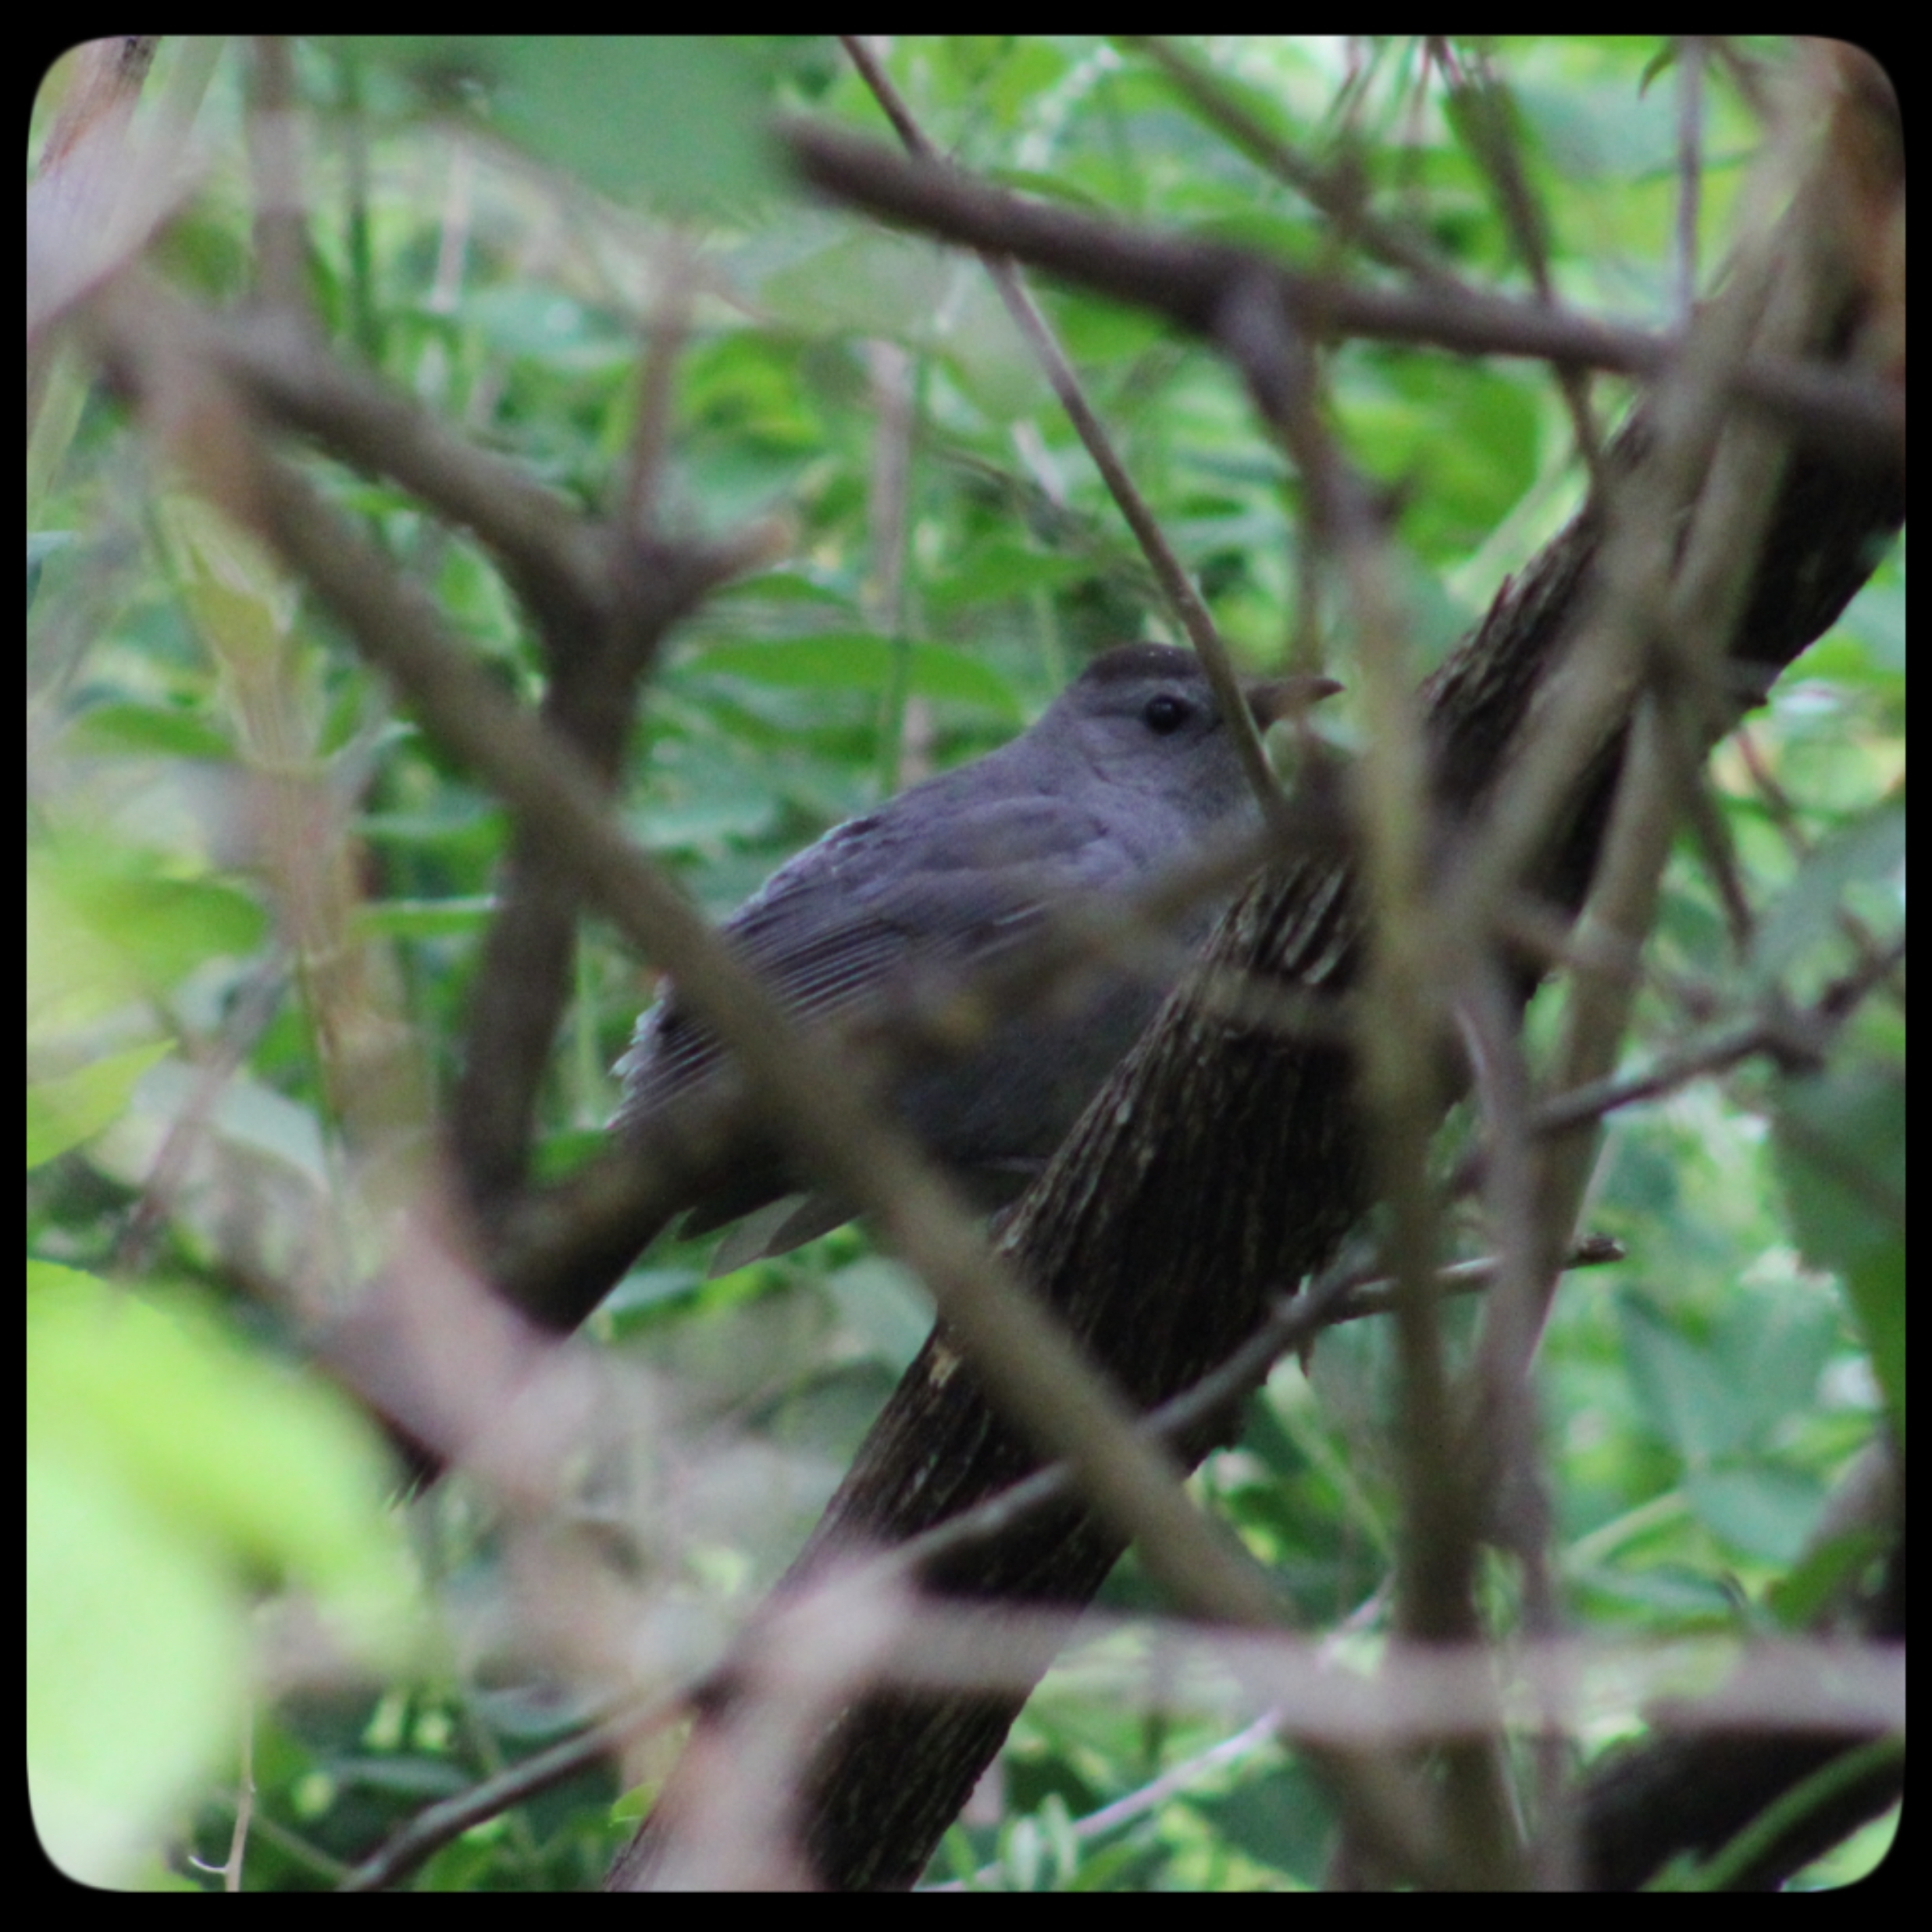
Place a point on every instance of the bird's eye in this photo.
(1165, 714)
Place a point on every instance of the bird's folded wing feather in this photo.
(871, 902)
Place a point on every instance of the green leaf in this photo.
(62, 1112)
(104, 929)
(861, 660)
(674, 120)
(1840, 1141)
(273, 1468)
(165, 1470)
(1692, 1400)
(126, 1713)
(1808, 909)
(106, 730)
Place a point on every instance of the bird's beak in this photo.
(1273, 698)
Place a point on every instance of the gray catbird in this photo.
(1126, 772)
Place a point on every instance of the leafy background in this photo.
(488, 223)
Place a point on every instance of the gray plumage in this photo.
(1128, 770)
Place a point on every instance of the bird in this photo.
(1128, 771)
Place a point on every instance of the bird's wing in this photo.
(874, 899)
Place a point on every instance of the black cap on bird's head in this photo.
(1146, 717)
